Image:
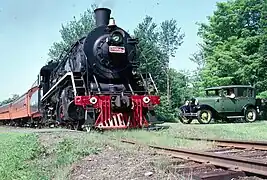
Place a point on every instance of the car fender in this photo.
(183, 107)
(205, 106)
(248, 106)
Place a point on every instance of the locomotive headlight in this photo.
(116, 38)
(146, 99)
(93, 100)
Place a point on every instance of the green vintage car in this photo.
(223, 102)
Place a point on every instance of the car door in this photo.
(228, 104)
(245, 96)
(241, 98)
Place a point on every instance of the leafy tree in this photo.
(9, 100)
(157, 45)
(170, 39)
(149, 55)
(195, 77)
(180, 90)
(234, 44)
(73, 31)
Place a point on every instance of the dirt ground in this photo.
(113, 163)
(141, 164)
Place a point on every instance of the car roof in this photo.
(230, 86)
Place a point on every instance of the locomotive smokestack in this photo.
(102, 16)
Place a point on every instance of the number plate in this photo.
(116, 49)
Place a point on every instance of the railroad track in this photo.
(237, 144)
(227, 166)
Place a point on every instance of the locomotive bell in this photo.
(111, 22)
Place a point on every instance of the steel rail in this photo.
(257, 167)
(259, 145)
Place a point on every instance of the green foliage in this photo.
(179, 88)
(262, 95)
(234, 45)
(149, 55)
(164, 110)
(170, 37)
(68, 151)
(16, 151)
(156, 46)
(24, 157)
(9, 100)
(73, 31)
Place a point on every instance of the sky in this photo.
(29, 28)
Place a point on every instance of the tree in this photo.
(234, 44)
(9, 100)
(156, 46)
(195, 77)
(151, 58)
(170, 39)
(73, 31)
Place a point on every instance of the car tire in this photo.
(204, 116)
(250, 115)
(184, 119)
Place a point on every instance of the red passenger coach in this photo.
(22, 109)
(5, 111)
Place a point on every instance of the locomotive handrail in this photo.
(50, 92)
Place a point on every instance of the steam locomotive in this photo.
(96, 84)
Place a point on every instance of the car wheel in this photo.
(204, 116)
(250, 115)
(184, 119)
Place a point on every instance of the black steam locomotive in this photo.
(96, 83)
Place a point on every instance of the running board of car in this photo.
(189, 114)
(233, 117)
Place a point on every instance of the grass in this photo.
(24, 156)
(163, 138)
(31, 156)
(15, 153)
(240, 131)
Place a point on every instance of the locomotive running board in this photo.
(60, 82)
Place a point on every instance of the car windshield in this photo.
(213, 92)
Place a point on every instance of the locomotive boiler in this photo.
(97, 83)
